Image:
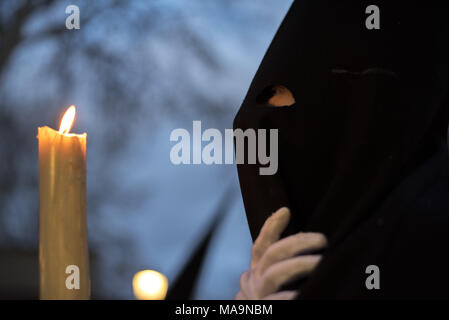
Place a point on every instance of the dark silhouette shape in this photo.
(184, 286)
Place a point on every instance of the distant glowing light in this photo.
(150, 285)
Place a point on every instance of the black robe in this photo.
(363, 153)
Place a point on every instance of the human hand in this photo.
(276, 262)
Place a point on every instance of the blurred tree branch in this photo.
(11, 33)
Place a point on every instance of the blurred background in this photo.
(136, 70)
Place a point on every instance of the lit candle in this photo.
(63, 253)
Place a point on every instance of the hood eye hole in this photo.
(276, 96)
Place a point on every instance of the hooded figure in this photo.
(363, 155)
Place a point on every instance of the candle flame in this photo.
(67, 120)
(150, 285)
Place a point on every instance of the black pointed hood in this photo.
(371, 107)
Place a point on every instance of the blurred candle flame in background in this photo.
(150, 285)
